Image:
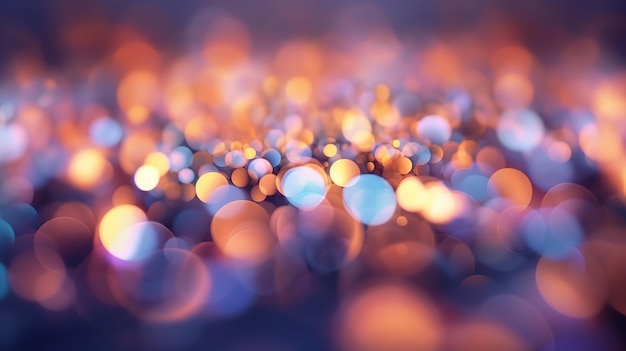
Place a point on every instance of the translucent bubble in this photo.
(434, 128)
(106, 132)
(304, 187)
(520, 130)
(370, 200)
(13, 143)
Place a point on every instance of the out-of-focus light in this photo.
(259, 167)
(298, 90)
(146, 178)
(411, 194)
(370, 200)
(435, 129)
(13, 143)
(120, 232)
(305, 186)
(330, 150)
(365, 321)
(4, 281)
(159, 161)
(520, 130)
(207, 184)
(572, 286)
(241, 230)
(88, 168)
(512, 185)
(442, 204)
(344, 172)
(106, 132)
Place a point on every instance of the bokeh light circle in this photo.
(371, 200)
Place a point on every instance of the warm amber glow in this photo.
(147, 177)
(343, 172)
(389, 318)
(512, 185)
(412, 195)
(571, 286)
(114, 223)
(88, 168)
(207, 184)
(330, 150)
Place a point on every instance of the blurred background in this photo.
(64, 64)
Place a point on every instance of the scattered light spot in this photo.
(330, 150)
(389, 318)
(520, 130)
(88, 168)
(147, 178)
(106, 132)
(159, 161)
(513, 185)
(305, 186)
(434, 128)
(298, 90)
(207, 184)
(411, 194)
(370, 200)
(13, 143)
(344, 172)
(241, 230)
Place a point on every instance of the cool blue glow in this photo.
(304, 187)
(552, 232)
(7, 238)
(106, 132)
(371, 200)
(4, 282)
(520, 130)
